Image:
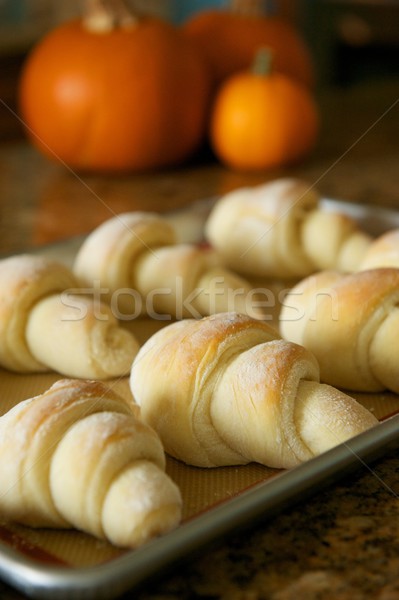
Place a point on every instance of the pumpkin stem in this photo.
(248, 8)
(262, 64)
(102, 16)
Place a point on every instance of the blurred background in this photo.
(351, 40)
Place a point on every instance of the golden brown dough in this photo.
(77, 456)
(226, 390)
(142, 270)
(350, 323)
(47, 323)
(278, 229)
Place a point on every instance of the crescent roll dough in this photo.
(382, 252)
(78, 456)
(46, 323)
(278, 230)
(350, 323)
(228, 391)
(142, 270)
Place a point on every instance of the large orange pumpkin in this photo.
(229, 39)
(262, 119)
(115, 98)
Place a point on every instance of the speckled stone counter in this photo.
(343, 542)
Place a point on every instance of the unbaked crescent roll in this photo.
(46, 322)
(225, 390)
(142, 270)
(78, 457)
(278, 229)
(109, 253)
(382, 252)
(350, 323)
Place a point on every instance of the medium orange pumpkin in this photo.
(263, 119)
(104, 97)
(230, 38)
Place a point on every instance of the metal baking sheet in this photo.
(108, 580)
(218, 501)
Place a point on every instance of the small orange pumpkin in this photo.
(229, 39)
(262, 120)
(112, 93)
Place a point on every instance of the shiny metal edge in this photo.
(109, 580)
(375, 220)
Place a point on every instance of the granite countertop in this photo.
(343, 542)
